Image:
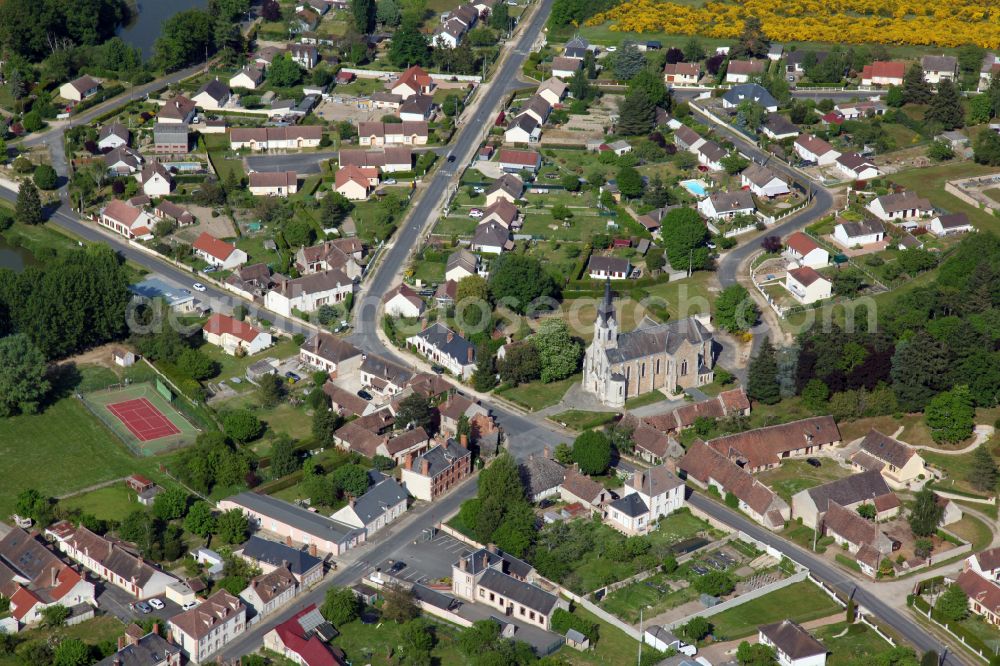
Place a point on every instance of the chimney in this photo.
(121, 642)
(547, 452)
(350, 502)
(492, 547)
(55, 576)
(313, 550)
(288, 540)
(425, 467)
(463, 565)
(639, 478)
(486, 560)
(463, 439)
(156, 628)
(409, 461)
(472, 353)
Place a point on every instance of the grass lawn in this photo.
(455, 225)
(860, 642)
(972, 530)
(683, 298)
(614, 646)
(576, 419)
(793, 476)
(292, 421)
(35, 238)
(581, 227)
(957, 469)
(536, 395)
(645, 399)
(91, 632)
(359, 87)
(62, 450)
(373, 643)
(232, 366)
(110, 503)
(930, 183)
(648, 594)
(915, 431)
(800, 602)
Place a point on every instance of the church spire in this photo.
(607, 308)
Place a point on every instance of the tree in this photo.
(284, 72)
(270, 390)
(184, 39)
(685, 237)
(518, 281)
(28, 208)
(341, 606)
(953, 604)
(652, 84)
(415, 409)
(749, 115)
(940, 151)
(409, 46)
(482, 637)
(816, 394)
(472, 304)
(45, 177)
(171, 504)
(628, 61)
(629, 182)
(199, 519)
(696, 629)
(284, 459)
(756, 654)
(592, 452)
(334, 209)
(500, 17)
(71, 652)
(867, 511)
(752, 42)
(983, 474)
(351, 480)
(271, 10)
(241, 425)
(388, 13)
(920, 368)
(986, 150)
(931, 658)
(915, 89)
(693, 50)
(398, 603)
(484, 377)
(23, 385)
(762, 376)
(558, 353)
(32, 504)
(55, 615)
(715, 584)
(501, 481)
(417, 639)
(980, 109)
(363, 14)
(946, 106)
(735, 310)
(232, 526)
(637, 114)
(325, 424)
(520, 364)
(926, 514)
(951, 415)
(196, 364)
(733, 163)
(579, 86)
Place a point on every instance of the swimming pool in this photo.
(695, 187)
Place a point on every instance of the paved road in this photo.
(866, 596)
(308, 163)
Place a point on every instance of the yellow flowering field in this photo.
(945, 24)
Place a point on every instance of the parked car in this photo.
(198, 286)
(143, 607)
(188, 605)
(451, 158)
(292, 377)
(437, 369)
(391, 181)
(611, 49)
(397, 567)
(476, 212)
(364, 395)
(814, 462)
(156, 603)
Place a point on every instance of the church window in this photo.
(642, 370)
(657, 371)
(684, 368)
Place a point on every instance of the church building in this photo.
(654, 356)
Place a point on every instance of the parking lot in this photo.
(427, 561)
(119, 603)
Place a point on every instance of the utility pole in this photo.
(638, 660)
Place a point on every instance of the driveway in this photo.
(118, 602)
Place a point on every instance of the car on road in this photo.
(198, 286)
(143, 607)
(451, 158)
(391, 181)
(188, 605)
(397, 567)
(476, 212)
(156, 603)
(813, 461)
(437, 369)
(611, 49)
(364, 395)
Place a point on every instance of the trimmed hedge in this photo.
(563, 621)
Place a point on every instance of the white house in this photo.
(213, 95)
(413, 81)
(749, 92)
(883, 73)
(270, 591)
(461, 264)
(778, 127)
(613, 268)
(269, 138)
(492, 238)
(209, 626)
(901, 207)
(865, 232)
(710, 154)
(808, 286)
(564, 68)
(324, 351)
(681, 74)
(661, 639)
(954, 223)
(813, 149)
(126, 219)
(218, 252)
(233, 335)
(727, 205)
(156, 180)
(273, 183)
(938, 68)
(793, 645)
(79, 89)
(355, 182)
(741, 71)
(553, 90)
(112, 136)
(384, 502)
(648, 496)
(403, 301)
(856, 167)
(985, 563)
(308, 292)
(524, 129)
(763, 181)
(304, 55)
(443, 346)
(807, 252)
(249, 77)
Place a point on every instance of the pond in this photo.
(16, 258)
(149, 19)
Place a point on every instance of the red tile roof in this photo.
(884, 69)
(984, 592)
(764, 446)
(523, 157)
(214, 247)
(801, 243)
(220, 324)
(805, 275)
(312, 649)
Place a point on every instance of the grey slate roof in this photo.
(432, 597)
(862, 227)
(274, 553)
(441, 457)
(483, 558)
(539, 474)
(780, 125)
(216, 89)
(789, 637)
(865, 486)
(491, 234)
(525, 594)
(630, 505)
(385, 369)
(149, 650)
(116, 129)
(170, 133)
(448, 342)
(650, 338)
(299, 518)
(384, 495)
(750, 92)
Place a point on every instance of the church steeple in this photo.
(606, 310)
(606, 324)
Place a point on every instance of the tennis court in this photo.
(142, 417)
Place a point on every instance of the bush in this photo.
(563, 621)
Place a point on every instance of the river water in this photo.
(144, 30)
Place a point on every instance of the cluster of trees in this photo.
(215, 461)
(175, 353)
(550, 354)
(33, 29)
(646, 90)
(501, 512)
(325, 489)
(933, 350)
(188, 36)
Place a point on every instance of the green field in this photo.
(112, 502)
(376, 644)
(800, 602)
(576, 419)
(859, 643)
(537, 395)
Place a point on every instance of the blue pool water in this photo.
(695, 187)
